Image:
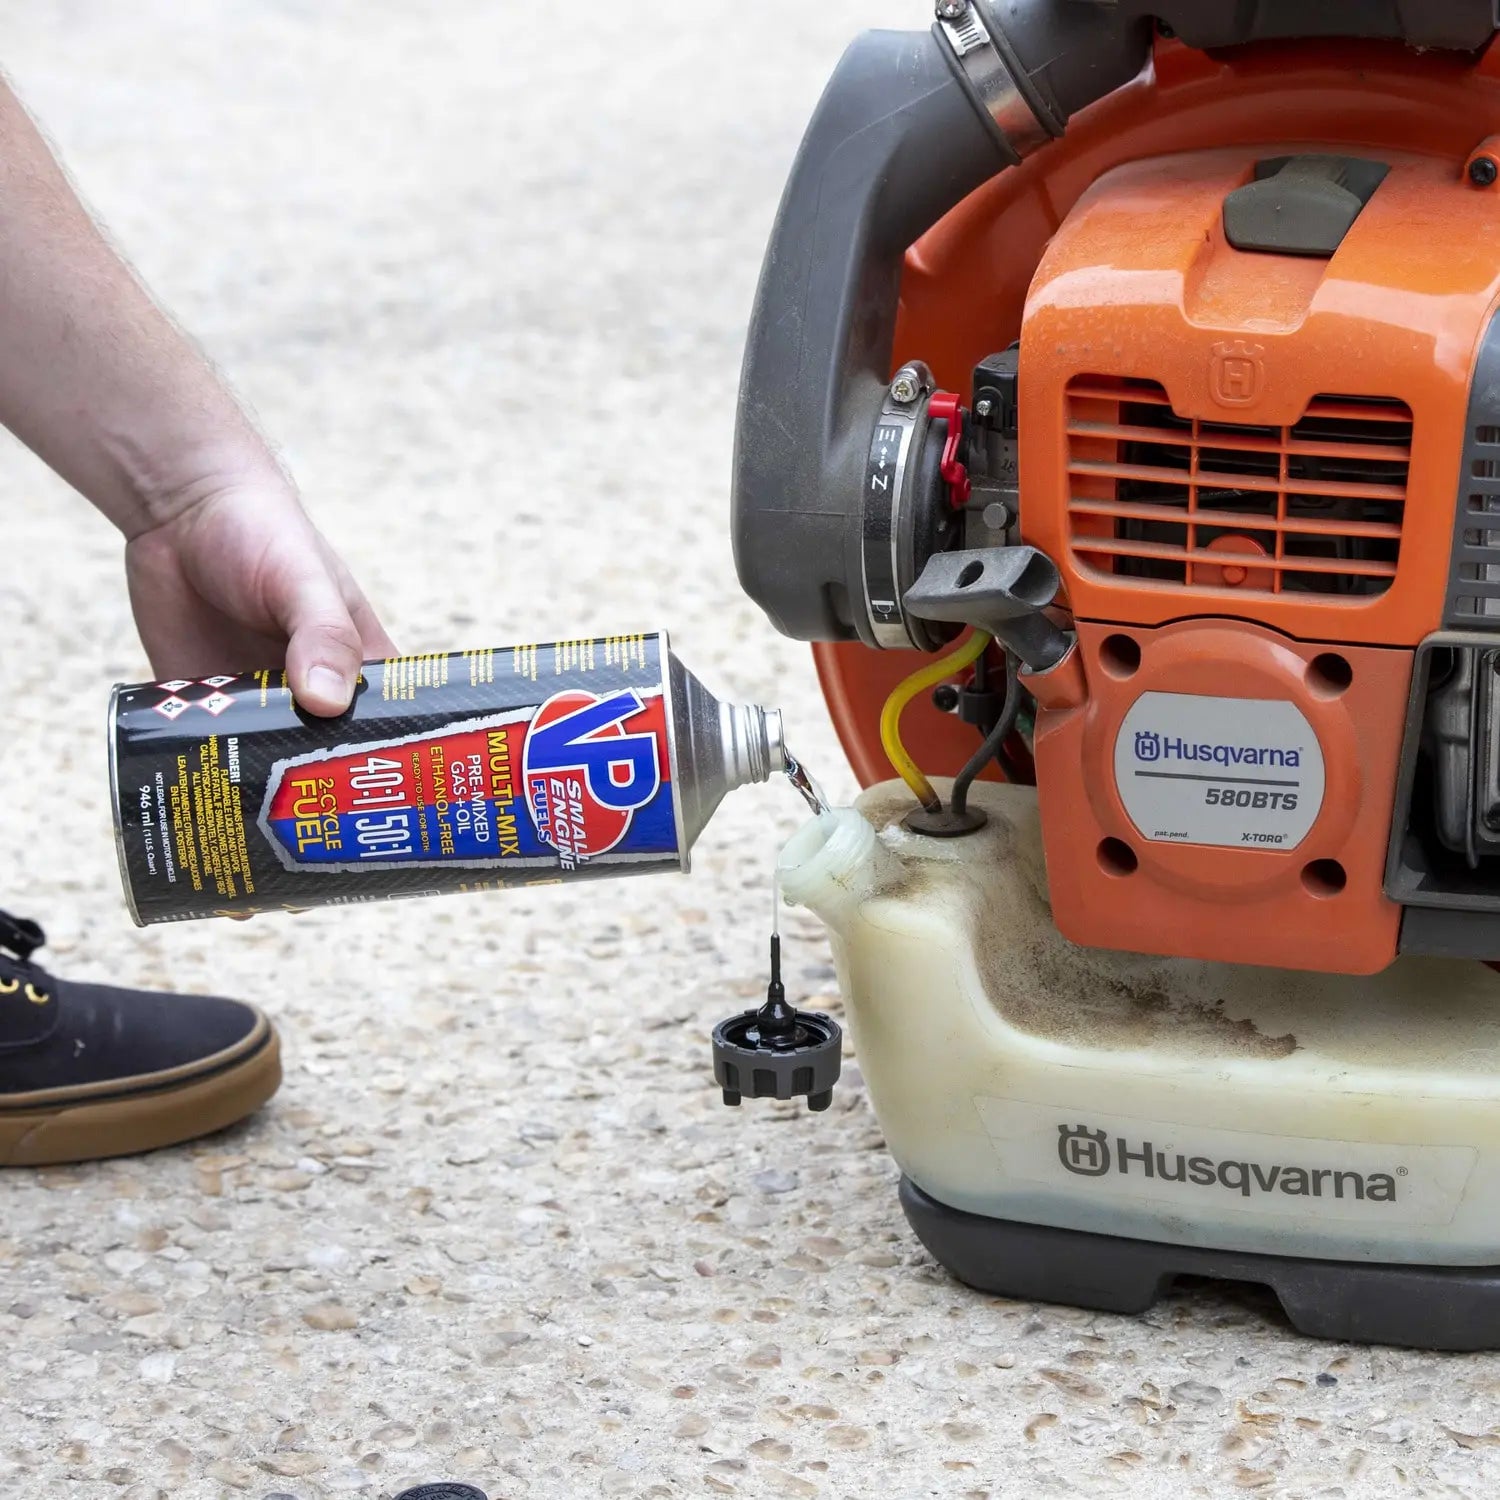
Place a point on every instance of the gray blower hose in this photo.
(909, 125)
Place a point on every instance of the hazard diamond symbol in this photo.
(173, 687)
(216, 703)
(169, 708)
(215, 682)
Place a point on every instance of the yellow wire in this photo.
(890, 716)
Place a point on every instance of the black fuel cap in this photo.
(443, 1489)
(777, 1051)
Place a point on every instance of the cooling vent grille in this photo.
(1476, 586)
(1312, 509)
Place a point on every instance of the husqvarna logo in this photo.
(1152, 746)
(1236, 373)
(1082, 1151)
(1085, 1152)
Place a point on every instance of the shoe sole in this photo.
(149, 1112)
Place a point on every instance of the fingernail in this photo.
(325, 683)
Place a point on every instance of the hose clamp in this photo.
(885, 519)
(983, 66)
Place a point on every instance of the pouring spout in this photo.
(832, 863)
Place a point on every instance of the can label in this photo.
(454, 772)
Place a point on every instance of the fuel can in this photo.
(464, 771)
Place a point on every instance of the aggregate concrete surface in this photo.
(483, 271)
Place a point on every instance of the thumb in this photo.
(323, 654)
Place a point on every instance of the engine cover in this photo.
(1245, 463)
(1229, 796)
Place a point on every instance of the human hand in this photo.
(226, 571)
(242, 578)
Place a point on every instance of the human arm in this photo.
(225, 568)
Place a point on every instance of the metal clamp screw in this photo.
(962, 26)
(983, 407)
(905, 388)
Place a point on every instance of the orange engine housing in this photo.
(1159, 366)
(1278, 371)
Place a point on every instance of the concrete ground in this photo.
(483, 270)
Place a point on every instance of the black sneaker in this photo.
(88, 1070)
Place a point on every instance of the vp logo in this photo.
(1147, 744)
(1082, 1151)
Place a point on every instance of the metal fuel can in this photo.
(464, 771)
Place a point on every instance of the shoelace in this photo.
(20, 938)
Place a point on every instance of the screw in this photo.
(945, 697)
(983, 407)
(1483, 171)
(951, 10)
(996, 515)
(905, 388)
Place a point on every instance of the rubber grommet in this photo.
(945, 823)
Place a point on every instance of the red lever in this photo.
(943, 406)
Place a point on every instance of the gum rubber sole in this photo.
(82, 1128)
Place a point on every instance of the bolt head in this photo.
(945, 698)
(904, 388)
(996, 516)
(983, 407)
(951, 10)
(1483, 170)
